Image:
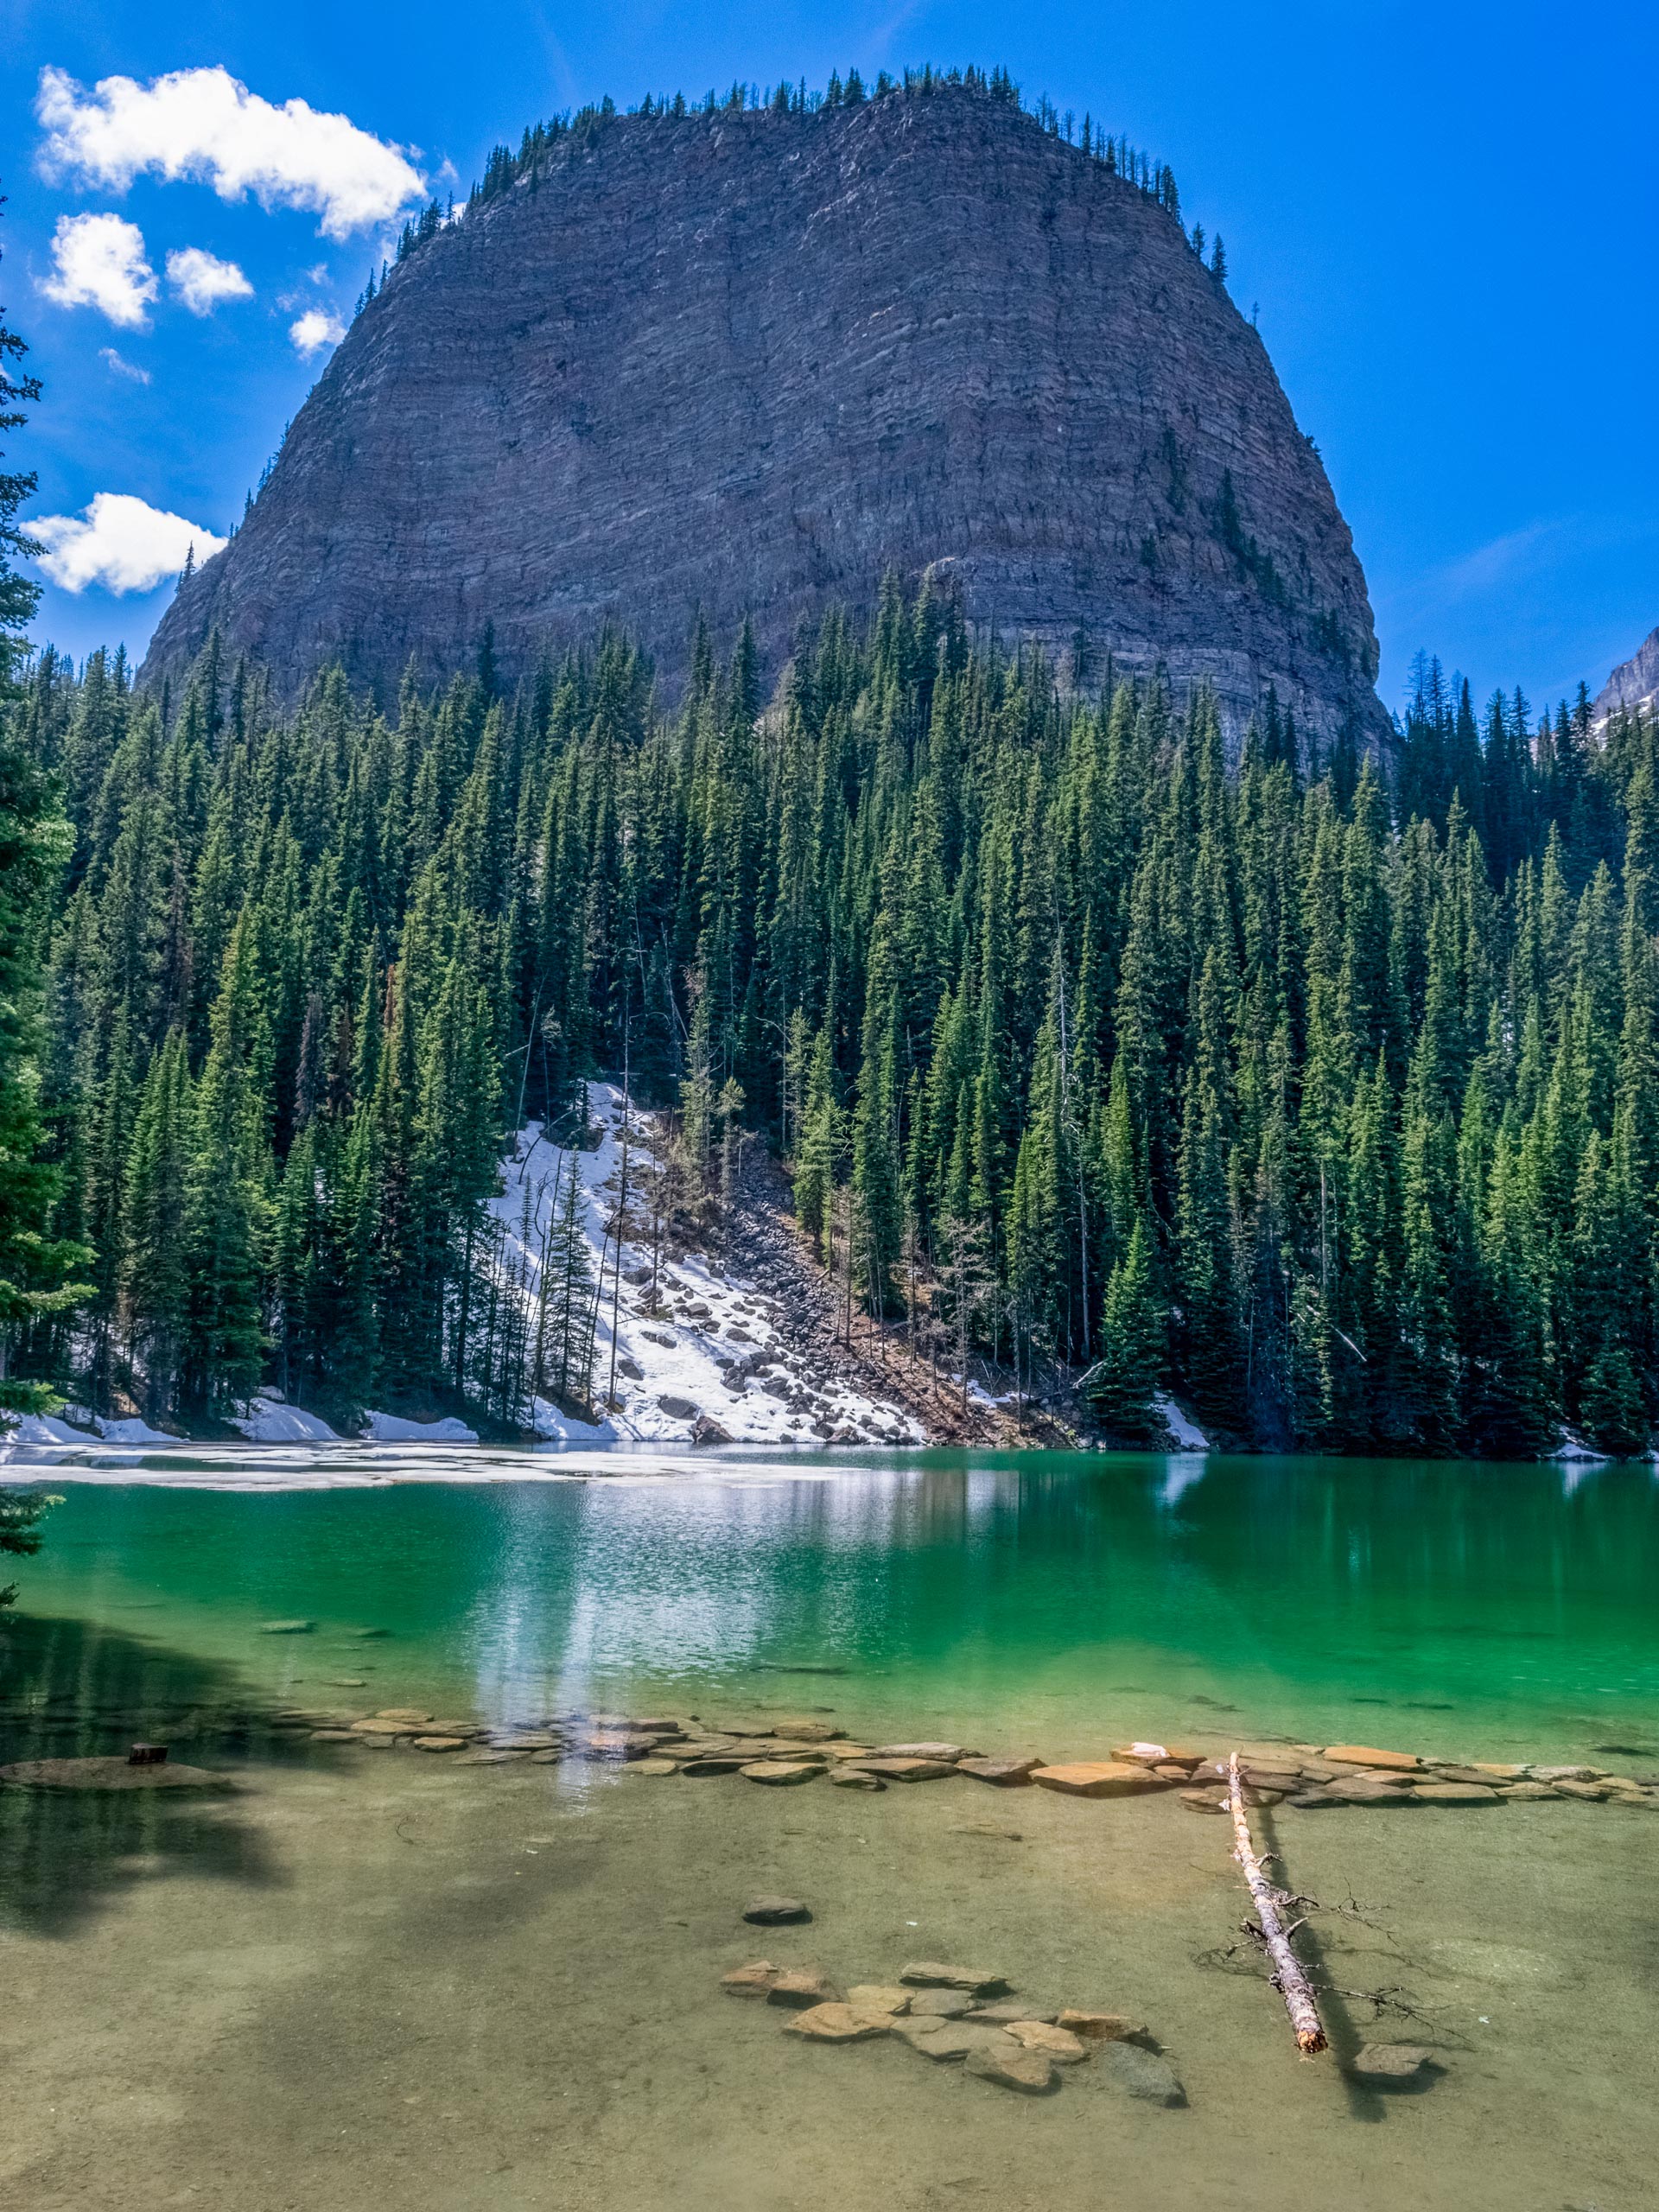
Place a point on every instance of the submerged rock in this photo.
(878, 1997)
(1011, 2067)
(940, 2003)
(854, 1778)
(1205, 1800)
(1143, 2074)
(1056, 2043)
(756, 1980)
(776, 1912)
(781, 1772)
(1389, 2061)
(838, 2023)
(109, 1774)
(286, 1627)
(907, 1769)
(620, 1744)
(1097, 1779)
(930, 1974)
(1001, 1774)
(1372, 1790)
(947, 2040)
(1098, 2027)
(1368, 1755)
(800, 1986)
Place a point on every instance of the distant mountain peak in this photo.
(1634, 683)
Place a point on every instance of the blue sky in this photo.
(1445, 216)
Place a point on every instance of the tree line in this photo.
(1324, 1099)
(562, 137)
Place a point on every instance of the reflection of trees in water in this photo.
(72, 1689)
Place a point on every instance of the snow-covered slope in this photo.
(711, 1358)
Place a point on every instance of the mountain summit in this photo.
(748, 361)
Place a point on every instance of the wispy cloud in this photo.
(202, 124)
(1498, 561)
(118, 365)
(98, 261)
(202, 279)
(119, 541)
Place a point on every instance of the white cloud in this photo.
(98, 261)
(121, 542)
(202, 124)
(314, 329)
(202, 279)
(118, 365)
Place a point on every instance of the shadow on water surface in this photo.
(75, 1689)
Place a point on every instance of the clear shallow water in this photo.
(378, 1979)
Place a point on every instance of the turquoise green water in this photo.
(370, 1981)
(1497, 1611)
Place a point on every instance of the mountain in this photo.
(749, 362)
(1634, 683)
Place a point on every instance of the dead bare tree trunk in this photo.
(1287, 1976)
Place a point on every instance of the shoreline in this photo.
(366, 1462)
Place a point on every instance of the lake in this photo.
(383, 1979)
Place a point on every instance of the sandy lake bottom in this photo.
(363, 1978)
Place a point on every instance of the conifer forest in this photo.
(1318, 1091)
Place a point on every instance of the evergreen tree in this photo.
(1124, 1382)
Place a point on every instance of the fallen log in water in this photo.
(1288, 1977)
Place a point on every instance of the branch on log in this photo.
(1288, 1978)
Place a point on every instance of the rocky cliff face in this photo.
(1634, 683)
(749, 362)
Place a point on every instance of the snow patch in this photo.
(42, 1428)
(1573, 1447)
(389, 1428)
(549, 1426)
(270, 1420)
(48, 1429)
(1188, 1436)
(713, 1346)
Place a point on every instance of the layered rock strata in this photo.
(749, 363)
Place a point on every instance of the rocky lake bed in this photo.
(481, 1804)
